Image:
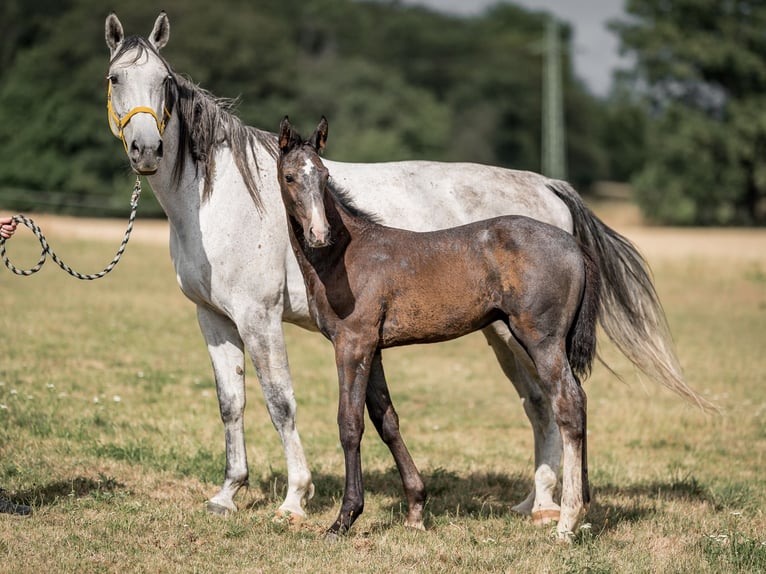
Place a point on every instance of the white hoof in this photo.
(545, 516)
(220, 509)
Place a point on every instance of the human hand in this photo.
(7, 227)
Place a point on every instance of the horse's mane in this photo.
(347, 203)
(207, 122)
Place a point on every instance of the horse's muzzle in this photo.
(145, 159)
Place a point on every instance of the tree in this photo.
(396, 82)
(701, 66)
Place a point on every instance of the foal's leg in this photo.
(539, 503)
(569, 408)
(386, 421)
(227, 355)
(354, 363)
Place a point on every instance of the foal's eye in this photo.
(289, 178)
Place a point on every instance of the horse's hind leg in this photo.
(386, 421)
(569, 408)
(228, 358)
(539, 503)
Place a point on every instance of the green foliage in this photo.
(396, 82)
(703, 68)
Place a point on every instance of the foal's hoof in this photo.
(545, 516)
(219, 509)
(415, 525)
(332, 537)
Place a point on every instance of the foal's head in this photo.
(303, 178)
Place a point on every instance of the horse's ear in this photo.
(319, 139)
(288, 137)
(114, 33)
(161, 31)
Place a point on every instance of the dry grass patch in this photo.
(109, 427)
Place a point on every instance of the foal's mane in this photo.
(347, 203)
(207, 122)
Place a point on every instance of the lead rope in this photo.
(48, 251)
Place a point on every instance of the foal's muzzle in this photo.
(318, 237)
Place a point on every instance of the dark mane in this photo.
(348, 205)
(207, 122)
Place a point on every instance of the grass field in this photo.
(109, 427)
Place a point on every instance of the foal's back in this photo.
(427, 287)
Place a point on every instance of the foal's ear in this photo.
(288, 137)
(161, 31)
(319, 138)
(114, 33)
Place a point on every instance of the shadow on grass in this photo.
(477, 494)
(482, 495)
(78, 487)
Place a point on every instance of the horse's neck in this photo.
(176, 196)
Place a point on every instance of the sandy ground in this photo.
(654, 242)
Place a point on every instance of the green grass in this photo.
(109, 427)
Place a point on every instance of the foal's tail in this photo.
(581, 343)
(630, 310)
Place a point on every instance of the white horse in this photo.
(216, 180)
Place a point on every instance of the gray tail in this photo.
(630, 310)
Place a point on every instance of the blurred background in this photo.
(665, 97)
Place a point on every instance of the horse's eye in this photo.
(289, 178)
(112, 78)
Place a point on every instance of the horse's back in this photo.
(427, 195)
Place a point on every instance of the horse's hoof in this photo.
(219, 509)
(331, 537)
(545, 516)
(525, 506)
(415, 525)
(291, 518)
(8, 507)
(310, 493)
(564, 537)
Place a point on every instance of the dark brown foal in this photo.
(370, 287)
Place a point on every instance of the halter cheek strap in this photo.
(117, 124)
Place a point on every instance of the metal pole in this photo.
(553, 145)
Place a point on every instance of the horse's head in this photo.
(139, 88)
(303, 178)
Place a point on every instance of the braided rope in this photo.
(48, 251)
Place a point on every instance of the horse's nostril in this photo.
(134, 147)
(159, 149)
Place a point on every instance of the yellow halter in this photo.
(117, 124)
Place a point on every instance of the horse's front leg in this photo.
(386, 421)
(227, 355)
(539, 503)
(265, 342)
(354, 363)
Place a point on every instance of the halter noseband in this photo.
(117, 124)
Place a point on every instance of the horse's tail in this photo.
(631, 313)
(581, 342)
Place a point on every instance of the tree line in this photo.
(401, 82)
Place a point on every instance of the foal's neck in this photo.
(345, 227)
